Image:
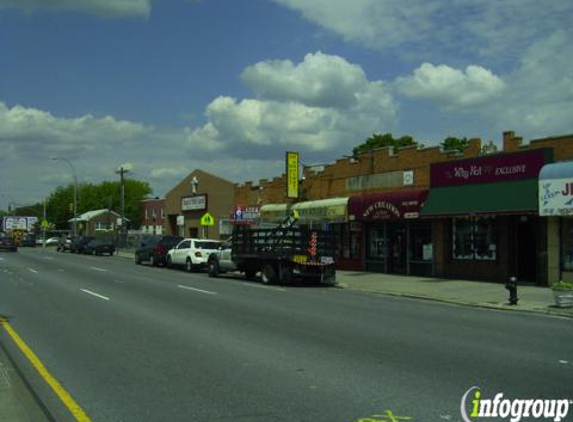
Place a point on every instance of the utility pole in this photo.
(44, 226)
(121, 173)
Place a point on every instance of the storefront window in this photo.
(347, 241)
(485, 242)
(567, 244)
(474, 238)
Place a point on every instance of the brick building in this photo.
(153, 211)
(198, 193)
(398, 218)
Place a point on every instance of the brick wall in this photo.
(331, 181)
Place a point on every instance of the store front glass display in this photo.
(474, 238)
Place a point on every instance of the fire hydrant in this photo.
(511, 286)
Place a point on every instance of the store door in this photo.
(526, 257)
(397, 248)
(377, 249)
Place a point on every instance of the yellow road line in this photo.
(60, 391)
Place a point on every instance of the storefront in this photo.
(395, 240)
(556, 207)
(485, 217)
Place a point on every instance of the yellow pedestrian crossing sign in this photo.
(45, 223)
(207, 220)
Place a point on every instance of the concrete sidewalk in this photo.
(17, 403)
(470, 293)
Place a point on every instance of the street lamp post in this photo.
(69, 163)
(121, 171)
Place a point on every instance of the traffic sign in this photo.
(44, 223)
(207, 220)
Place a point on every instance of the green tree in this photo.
(452, 143)
(92, 197)
(380, 141)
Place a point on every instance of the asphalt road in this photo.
(135, 343)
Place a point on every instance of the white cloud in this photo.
(29, 129)
(539, 98)
(321, 104)
(111, 8)
(497, 28)
(320, 80)
(169, 172)
(451, 87)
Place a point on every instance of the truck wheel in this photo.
(188, 265)
(213, 268)
(137, 259)
(250, 274)
(287, 276)
(269, 274)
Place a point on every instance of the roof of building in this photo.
(87, 216)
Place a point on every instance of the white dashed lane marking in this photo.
(196, 290)
(89, 292)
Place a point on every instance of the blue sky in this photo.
(228, 86)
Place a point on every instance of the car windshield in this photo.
(102, 241)
(207, 245)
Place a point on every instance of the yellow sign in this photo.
(207, 220)
(292, 174)
(44, 223)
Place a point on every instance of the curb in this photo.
(499, 307)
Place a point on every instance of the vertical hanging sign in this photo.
(292, 174)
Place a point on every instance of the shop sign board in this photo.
(556, 197)
(19, 223)
(194, 203)
(488, 169)
(292, 174)
(386, 206)
(245, 215)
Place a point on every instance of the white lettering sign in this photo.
(194, 203)
(556, 197)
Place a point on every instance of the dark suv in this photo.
(79, 243)
(7, 243)
(154, 249)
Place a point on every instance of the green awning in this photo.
(504, 197)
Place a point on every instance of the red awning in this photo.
(383, 206)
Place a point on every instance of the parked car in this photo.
(154, 249)
(192, 253)
(8, 244)
(52, 241)
(99, 246)
(28, 240)
(65, 243)
(80, 243)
